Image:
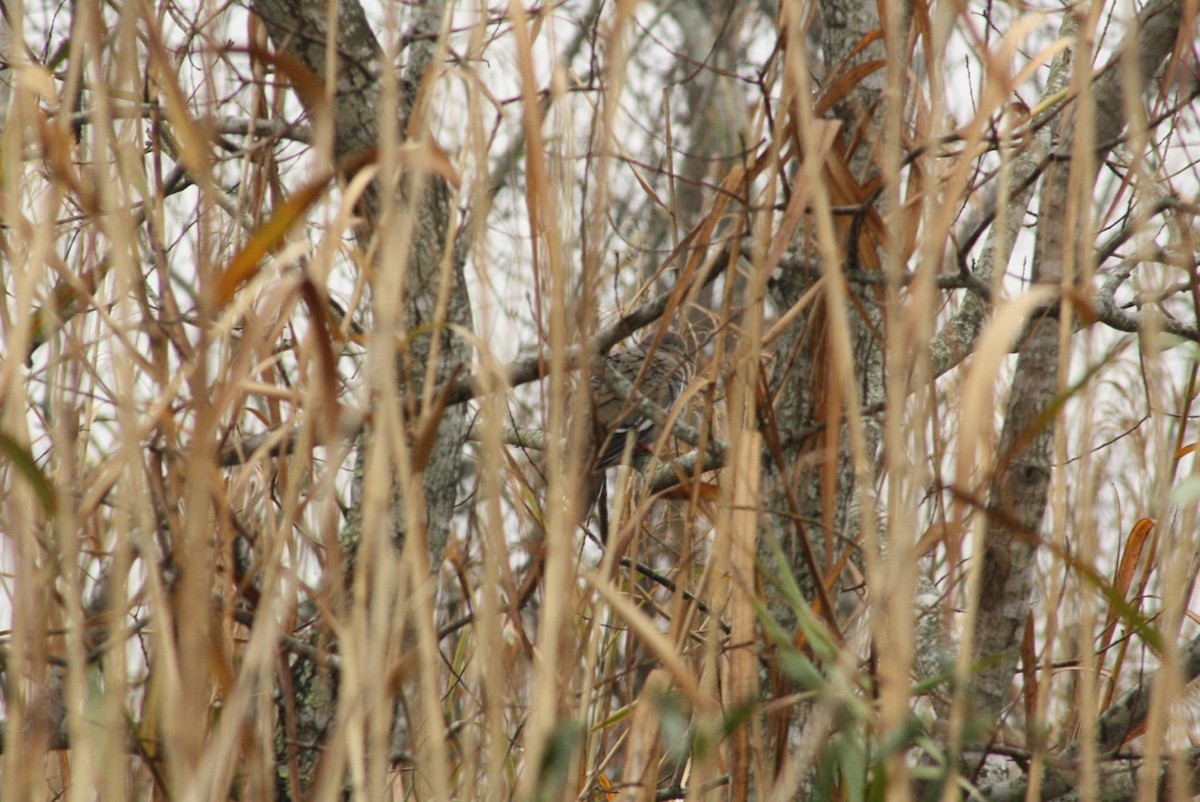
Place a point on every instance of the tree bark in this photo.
(430, 349)
(1022, 480)
(802, 378)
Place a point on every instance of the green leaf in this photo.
(557, 759)
(1186, 492)
(27, 467)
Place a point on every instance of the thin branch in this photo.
(533, 367)
(523, 370)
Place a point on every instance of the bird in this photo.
(659, 366)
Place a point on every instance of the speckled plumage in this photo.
(659, 374)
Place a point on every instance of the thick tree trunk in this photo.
(419, 291)
(804, 380)
(1020, 488)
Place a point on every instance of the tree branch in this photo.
(1021, 477)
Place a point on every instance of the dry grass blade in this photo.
(247, 262)
(294, 429)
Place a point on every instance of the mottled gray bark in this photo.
(1020, 488)
(955, 340)
(1118, 781)
(1113, 728)
(422, 200)
(810, 519)
(813, 492)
